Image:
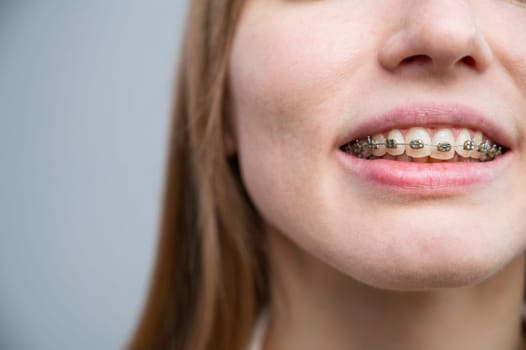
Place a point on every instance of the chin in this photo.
(404, 257)
(426, 275)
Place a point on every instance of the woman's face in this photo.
(309, 76)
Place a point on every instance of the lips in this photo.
(429, 178)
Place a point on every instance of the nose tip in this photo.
(438, 42)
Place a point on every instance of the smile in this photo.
(428, 149)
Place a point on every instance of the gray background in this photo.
(84, 100)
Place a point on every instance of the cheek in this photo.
(292, 63)
(505, 31)
(507, 35)
(287, 70)
(279, 85)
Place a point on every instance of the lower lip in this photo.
(425, 178)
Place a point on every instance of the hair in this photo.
(210, 280)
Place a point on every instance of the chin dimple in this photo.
(426, 146)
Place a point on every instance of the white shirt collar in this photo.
(260, 329)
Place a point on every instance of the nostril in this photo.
(469, 61)
(416, 59)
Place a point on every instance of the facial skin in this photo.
(303, 72)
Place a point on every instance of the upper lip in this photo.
(433, 115)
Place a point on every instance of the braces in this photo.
(363, 148)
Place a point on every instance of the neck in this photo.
(315, 306)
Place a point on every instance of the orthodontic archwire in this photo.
(363, 148)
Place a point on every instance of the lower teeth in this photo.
(404, 158)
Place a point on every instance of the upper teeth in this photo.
(417, 143)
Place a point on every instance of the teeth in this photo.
(404, 158)
(394, 143)
(380, 149)
(444, 141)
(484, 149)
(417, 143)
(417, 146)
(464, 141)
(421, 160)
(477, 138)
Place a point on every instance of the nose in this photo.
(437, 36)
